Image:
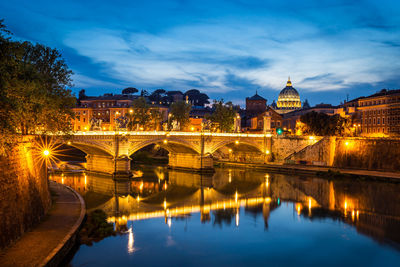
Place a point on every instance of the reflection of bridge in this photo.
(109, 152)
(373, 208)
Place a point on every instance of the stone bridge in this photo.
(109, 152)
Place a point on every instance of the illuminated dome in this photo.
(289, 98)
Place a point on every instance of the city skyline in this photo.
(227, 50)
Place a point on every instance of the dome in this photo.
(289, 92)
(289, 98)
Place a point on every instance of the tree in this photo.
(323, 124)
(180, 112)
(33, 88)
(129, 91)
(158, 95)
(223, 116)
(197, 98)
(144, 93)
(140, 115)
(82, 94)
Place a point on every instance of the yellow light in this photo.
(165, 204)
(46, 152)
(309, 202)
(138, 198)
(298, 209)
(69, 142)
(230, 150)
(347, 143)
(267, 152)
(237, 142)
(192, 128)
(311, 137)
(130, 111)
(141, 128)
(165, 141)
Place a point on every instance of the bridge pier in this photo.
(121, 167)
(190, 161)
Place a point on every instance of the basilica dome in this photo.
(289, 98)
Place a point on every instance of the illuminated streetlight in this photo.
(267, 152)
(46, 152)
(236, 142)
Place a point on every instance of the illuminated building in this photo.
(379, 114)
(106, 109)
(288, 99)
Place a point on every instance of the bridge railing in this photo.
(164, 133)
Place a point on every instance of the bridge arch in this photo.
(91, 149)
(256, 147)
(173, 145)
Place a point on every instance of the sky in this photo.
(332, 50)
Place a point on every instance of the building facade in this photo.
(379, 114)
(100, 113)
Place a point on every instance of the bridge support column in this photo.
(121, 167)
(190, 162)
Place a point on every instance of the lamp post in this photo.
(46, 154)
(115, 119)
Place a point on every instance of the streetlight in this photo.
(46, 154)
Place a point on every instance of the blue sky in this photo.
(228, 49)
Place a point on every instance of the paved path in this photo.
(314, 169)
(38, 246)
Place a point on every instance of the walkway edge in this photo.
(57, 255)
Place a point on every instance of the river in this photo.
(239, 217)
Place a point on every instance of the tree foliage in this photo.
(129, 90)
(180, 112)
(223, 116)
(197, 98)
(321, 124)
(140, 115)
(33, 88)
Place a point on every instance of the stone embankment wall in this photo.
(282, 147)
(24, 193)
(363, 153)
(353, 152)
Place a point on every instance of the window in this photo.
(374, 121)
(383, 121)
(84, 119)
(379, 120)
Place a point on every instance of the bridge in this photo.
(109, 152)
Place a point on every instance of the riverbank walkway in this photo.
(48, 242)
(312, 169)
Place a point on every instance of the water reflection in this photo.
(373, 208)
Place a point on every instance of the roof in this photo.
(385, 92)
(110, 97)
(256, 97)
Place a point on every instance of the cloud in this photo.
(220, 47)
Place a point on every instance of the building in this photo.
(267, 121)
(288, 99)
(100, 113)
(255, 105)
(290, 119)
(379, 114)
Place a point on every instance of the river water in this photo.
(240, 217)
